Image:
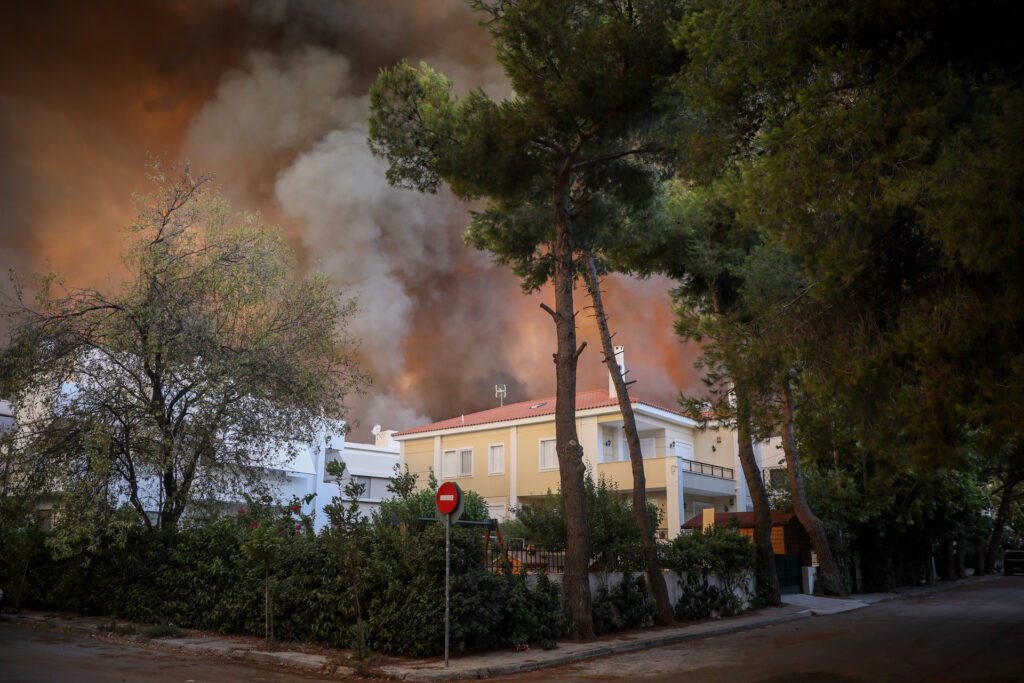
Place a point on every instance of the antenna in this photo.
(500, 393)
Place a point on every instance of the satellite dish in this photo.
(376, 430)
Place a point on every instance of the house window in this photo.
(776, 476)
(458, 462)
(496, 459)
(548, 456)
(647, 448)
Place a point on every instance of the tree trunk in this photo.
(1003, 513)
(266, 601)
(576, 581)
(759, 497)
(360, 630)
(961, 557)
(655, 577)
(832, 578)
(928, 549)
(768, 577)
(979, 557)
(948, 566)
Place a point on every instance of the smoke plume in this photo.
(271, 96)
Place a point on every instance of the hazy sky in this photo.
(270, 95)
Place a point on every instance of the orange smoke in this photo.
(271, 98)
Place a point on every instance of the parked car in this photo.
(1013, 562)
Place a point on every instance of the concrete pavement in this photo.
(477, 665)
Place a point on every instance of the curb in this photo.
(432, 671)
(399, 673)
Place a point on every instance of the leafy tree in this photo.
(408, 505)
(270, 527)
(178, 387)
(655, 577)
(572, 141)
(347, 537)
(615, 537)
(697, 557)
(881, 151)
(703, 247)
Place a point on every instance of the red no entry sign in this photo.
(448, 495)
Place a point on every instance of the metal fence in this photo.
(530, 559)
(709, 470)
(536, 560)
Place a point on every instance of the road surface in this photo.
(975, 633)
(28, 655)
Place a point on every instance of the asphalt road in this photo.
(28, 655)
(975, 633)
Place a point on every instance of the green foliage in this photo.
(347, 537)
(405, 578)
(627, 605)
(717, 553)
(875, 151)
(614, 535)
(21, 547)
(410, 505)
(213, 577)
(190, 376)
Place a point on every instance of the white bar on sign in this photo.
(448, 497)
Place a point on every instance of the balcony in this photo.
(705, 479)
(707, 469)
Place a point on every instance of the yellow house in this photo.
(507, 455)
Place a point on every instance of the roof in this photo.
(587, 400)
(744, 519)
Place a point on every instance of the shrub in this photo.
(614, 534)
(405, 582)
(200, 577)
(716, 552)
(625, 606)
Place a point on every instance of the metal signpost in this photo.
(449, 504)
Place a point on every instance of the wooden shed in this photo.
(788, 535)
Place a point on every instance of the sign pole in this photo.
(447, 582)
(449, 504)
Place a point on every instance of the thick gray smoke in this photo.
(398, 252)
(270, 95)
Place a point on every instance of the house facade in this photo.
(294, 470)
(507, 455)
(304, 471)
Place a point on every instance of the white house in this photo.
(370, 464)
(297, 470)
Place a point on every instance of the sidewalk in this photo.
(506, 662)
(481, 665)
(796, 606)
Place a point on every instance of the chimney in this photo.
(620, 360)
(382, 437)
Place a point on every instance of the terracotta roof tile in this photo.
(587, 400)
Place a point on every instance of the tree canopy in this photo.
(881, 148)
(555, 162)
(199, 370)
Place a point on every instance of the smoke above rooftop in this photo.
(270, 95)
